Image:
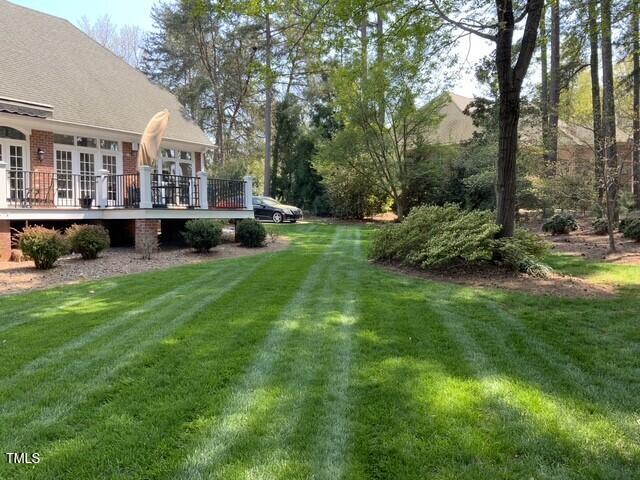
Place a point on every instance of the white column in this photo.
(144, 171)
(3, 185)
(248, 192)
(204, 190)
(102, 196)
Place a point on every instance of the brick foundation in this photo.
(146, 229)
(5, 240)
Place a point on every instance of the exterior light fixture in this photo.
(40, 153)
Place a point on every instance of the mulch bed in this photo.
(496, 277)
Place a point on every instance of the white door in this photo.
(64, 177)
(15, 154)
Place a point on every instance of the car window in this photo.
(269, 201)
(256, 201)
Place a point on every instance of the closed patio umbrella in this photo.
(152, 137)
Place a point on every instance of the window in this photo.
(12, 133)
(185, 156)
(186, 169)
(87, 174)
(64, 169)
(168, 153)
(16, 174)
(86, 142)
(108, 145)
(63, 139)
(109, 164)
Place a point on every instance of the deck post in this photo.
(102, 195)
(3, 185)
(145, 186)
(204, 190)
(248, 192)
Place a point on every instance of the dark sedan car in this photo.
(267, 208)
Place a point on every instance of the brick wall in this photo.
(43, 182)
(5, 240)
(129, 159)
(198, 162)
(44, 140)
(146, 229)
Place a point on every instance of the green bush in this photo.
(560, 223)
(43, 245)
(600, 226)
(202, 234)
(251, 233)
(434, 236)
(87, 240)
(632, 230)
(522, 253)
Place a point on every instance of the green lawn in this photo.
(311, 363)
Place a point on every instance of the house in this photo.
(71, 117)
(575, 142)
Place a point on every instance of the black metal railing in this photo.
(225, 193)
(175, 191)
(48, 190)
(123, 191)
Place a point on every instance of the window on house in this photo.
(64, 170)
(185, 156)
(109, 145)
(168, 153)
(16, 174)
(109, 164)
(63, 139)
(86, 142)
(87, 174)
(12, 133)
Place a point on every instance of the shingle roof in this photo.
(46, 60)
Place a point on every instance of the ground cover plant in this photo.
(313, 363)
(434, 237)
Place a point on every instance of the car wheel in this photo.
(277, 217)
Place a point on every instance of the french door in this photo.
(14, 155)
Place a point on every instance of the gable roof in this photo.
(47, 60)
(456, 127)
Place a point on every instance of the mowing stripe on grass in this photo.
(70, 398)
(148, 307)
(334, 432)
(588, 433)
(247, 394)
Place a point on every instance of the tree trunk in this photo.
(509, 115)
(267, 110)
(635, 32)
(544, 87)
(380, 60)
(596, 104)
(554, 86)
(609, 111)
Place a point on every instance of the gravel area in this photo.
(15, 277)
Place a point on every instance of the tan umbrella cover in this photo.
(152, 137)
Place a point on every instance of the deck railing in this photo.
(25, 189)
(226, 193)
(175, 191)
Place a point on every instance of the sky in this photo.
(138, 12)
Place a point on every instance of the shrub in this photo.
(560, 223)
(251, 233)
(632, 230)
(202, 234)
(522, 253)
(87, 240)
(43, 245)
(434, 236)
(600, 226)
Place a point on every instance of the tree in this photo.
(635, 54)
(596, 103)
(554, 83)
(125, 41)
(502, 25)
(544, 84)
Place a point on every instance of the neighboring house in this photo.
(71, 114)
(575, 142)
